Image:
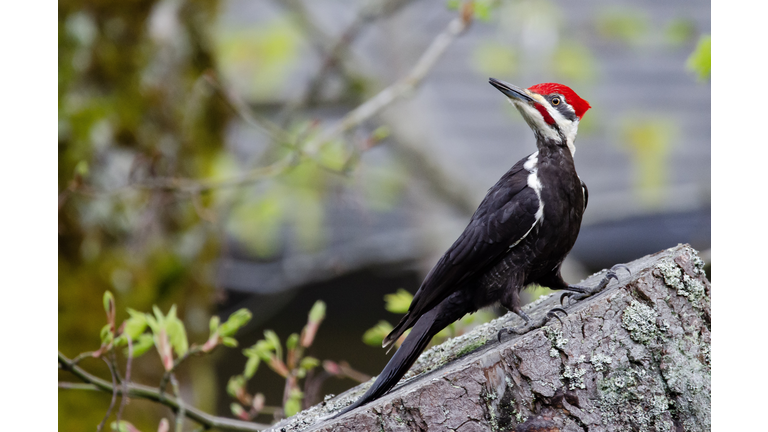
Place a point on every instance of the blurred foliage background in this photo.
(191, 132)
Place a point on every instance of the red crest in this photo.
(580, 106)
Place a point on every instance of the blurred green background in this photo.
(184, 177)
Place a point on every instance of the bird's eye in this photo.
(555, 101)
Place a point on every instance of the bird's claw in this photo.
(529, 325)
(577, 293)
(502, 330)
(552, 314)
(612, 272)
(618, 266)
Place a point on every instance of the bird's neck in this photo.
(562, 139)
(553, 148)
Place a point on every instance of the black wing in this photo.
(586, 193)
(506, 216)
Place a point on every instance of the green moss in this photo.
(470, 347)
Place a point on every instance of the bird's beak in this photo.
(511, 91)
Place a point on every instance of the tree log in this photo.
(635, 357)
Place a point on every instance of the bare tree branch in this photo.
(402, 87)
(369, 13)
(153, 394)
(182, 406)
(357, 116)
(114, 396)
(124, 396)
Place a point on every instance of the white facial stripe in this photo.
(567, 105)
(567, 127)
(534, 119)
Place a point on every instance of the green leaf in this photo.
(258, 60)
(109, 302)
(251, 365)
(106, 335)
(375, 335)
(264, 349)
(158, 314)
(152, 323)
(81, 168)
(398, 302)
(293, 404)
(213, 324)
(234, 385)
(123, 426)
(380, 133)
(135, 325)
(700, 61)
(177, 334)
(120, 341)
(235, 322)
(274, 340)
(142, 344)
(483, 10)
(229, 342)
(292, 341)
(317, 313)
(333, 155)
(237, 410)
(309, 363)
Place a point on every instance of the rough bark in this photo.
(635, 357)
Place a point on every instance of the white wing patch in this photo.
(535, 184)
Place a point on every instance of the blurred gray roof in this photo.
(460, 134)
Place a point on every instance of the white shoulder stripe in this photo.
(535, 184)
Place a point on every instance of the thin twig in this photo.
(369, 13)
(114, 396)
(181, 413)
(363, 112)
(81, 356)
(272, 130)
(400, 88)
(77, 386)
(197, 186)
(153, 394)
(168, 375)
(124, 396)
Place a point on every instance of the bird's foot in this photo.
(530, 324)
(578, 292)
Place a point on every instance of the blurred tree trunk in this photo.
(635, 357)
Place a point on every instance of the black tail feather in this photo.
(427, 326)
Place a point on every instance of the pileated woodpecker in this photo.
(519, 235)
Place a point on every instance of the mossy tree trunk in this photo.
(634, 358)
